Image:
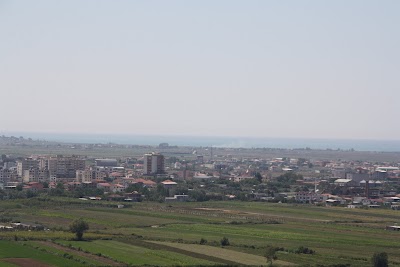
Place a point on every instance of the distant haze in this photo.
(290, 69)
(226, 142)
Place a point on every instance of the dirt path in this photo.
(26, 262)
(103, 260)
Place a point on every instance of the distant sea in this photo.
(230, 142)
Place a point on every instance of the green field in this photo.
(9, 249)
(136, 255)
(169, 234)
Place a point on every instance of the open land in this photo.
(185, 152)
(152, 232)
(169, 234)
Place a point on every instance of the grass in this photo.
(44, 235)
(338, 235)
(10, 249)
(55, 251)
(136, 255)
(224, 253)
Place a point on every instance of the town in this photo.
(201, 174)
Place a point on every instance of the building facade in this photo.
(26, 164)
(65, 167)
(36, 175)
(153, 163)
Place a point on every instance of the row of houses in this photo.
(22, 226)
(351, 202)
(116, 186)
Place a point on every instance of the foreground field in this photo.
(11, 254)
(235, 256)
(166, 235)
(136, 255)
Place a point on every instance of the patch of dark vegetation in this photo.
(304, 250)
(225, 241)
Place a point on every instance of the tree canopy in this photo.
(270, 254)
(78, 227)
(380, 259)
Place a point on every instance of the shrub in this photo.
(304, 250)
(380, 259)
(224, 241)
(270, 254)
(203, 241)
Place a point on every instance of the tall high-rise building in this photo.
(153, 163)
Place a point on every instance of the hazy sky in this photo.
(327, 69)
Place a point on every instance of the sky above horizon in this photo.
(300, 69)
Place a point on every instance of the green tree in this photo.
(258, 177)
(270, 254)
(380, 259)
(198, 195)
(60, 186)
(78, 227)
(225, 241)
(289, 178)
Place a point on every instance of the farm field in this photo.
(12, 252)
(136, 255)
(169, 234)
(235, 256)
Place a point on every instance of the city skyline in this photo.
(295, 69)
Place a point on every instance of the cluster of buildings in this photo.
(70, 168)
(324, 181)
(15, 226)
(74, 172)
(41, 169)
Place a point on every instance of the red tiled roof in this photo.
(104, 184)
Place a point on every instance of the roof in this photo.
(168, 182)
(143, 181)
(343, 180)
(104, 184)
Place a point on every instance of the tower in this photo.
(153, 163)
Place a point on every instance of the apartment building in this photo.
(84, 176)
(153, 163)
(65, 167)
(91, 174)
(26, 164)
(6, 175)
(36, 175)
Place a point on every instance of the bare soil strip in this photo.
(26, 262)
